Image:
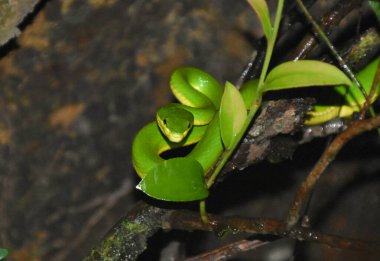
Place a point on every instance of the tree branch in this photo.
(128, 239)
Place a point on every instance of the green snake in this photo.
(194, 120)
(354, 99)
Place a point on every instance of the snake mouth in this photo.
(176, 138)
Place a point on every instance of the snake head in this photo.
(174, 122)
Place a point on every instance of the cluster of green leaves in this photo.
(234, 119)
(235, 113)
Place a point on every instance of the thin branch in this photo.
(129, 237)
(343, 65)
(372, 92)
(187, 220)
(228, 251)
(327, 23)
(327, 157)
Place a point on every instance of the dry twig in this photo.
(230, 250)
(327, 157)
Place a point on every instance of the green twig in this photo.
(343, 65)
(202, 210)
(252, 111)
(256, 103)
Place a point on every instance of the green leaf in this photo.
(304, 73)
(232, 114)
(353, 96)
(176, 179)
(249, 92)
(376, 8)
(262, 11)
(3, 253)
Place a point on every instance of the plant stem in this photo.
(257, 101)
(202, 210)
(252, 111)
(270, 43)
(343, 65)
(228, 152)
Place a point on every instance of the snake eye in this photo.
(164, 121)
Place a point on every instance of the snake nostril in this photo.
(164, 121)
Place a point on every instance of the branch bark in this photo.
(127, 240)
